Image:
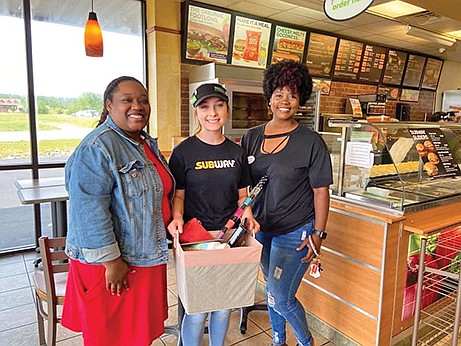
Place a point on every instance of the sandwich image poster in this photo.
(251, 41)
(207, 34)
(434, 151)
(288, 44)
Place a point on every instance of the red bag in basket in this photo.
(193, 231)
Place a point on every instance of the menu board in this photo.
(251, 41)
(432, 147)
(207, 34)
(432, 74)
(414, 70)
(348, 58)
(372, 63)
(320, 52)
(288, 44)
(393, 72)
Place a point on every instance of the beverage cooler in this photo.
(248, 106)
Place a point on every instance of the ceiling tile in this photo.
(275, 4)
(309, 13)
(255, 9)
(326, 25)
(292, 19)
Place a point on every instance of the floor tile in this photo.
(5, 259)
(18, 316)
(11, 269)
(14, 282)
(25, 335)
(16, 298)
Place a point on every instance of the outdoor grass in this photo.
(21, 149)
(20, 121)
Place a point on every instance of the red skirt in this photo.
(135, 318)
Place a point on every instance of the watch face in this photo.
(321, 234)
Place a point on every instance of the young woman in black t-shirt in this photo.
(212, 177)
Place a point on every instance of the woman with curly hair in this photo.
(293, 208)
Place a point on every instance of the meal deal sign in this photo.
(288, 44)
(251, 41)
(345, 9)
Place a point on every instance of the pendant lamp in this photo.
(93, 35)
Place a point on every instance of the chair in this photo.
(50, 286)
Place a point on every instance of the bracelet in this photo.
(311, 243)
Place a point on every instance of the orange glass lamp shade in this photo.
(93, 36)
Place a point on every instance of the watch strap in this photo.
(321, 234)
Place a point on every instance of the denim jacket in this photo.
(115, 197)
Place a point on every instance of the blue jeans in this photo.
(194, 324)
(283, 271)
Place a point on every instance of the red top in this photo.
(167, 182)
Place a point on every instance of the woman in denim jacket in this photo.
(120, 191)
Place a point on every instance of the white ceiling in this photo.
(442, 16)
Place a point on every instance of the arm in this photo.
(178, 213)
(321, 207)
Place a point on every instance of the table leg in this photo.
(59, 218)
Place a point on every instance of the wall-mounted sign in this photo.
(414, 70)
(348, 58)
(432, 74)
(409, 95)
(345, 9)
(393, 72)
(251, 41)
(320, 53)
(288, 44)
(372, 63)
(207, 34)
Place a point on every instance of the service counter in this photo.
(380, 197)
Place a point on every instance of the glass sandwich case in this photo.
(399, 166)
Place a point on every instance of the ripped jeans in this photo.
(283, 271)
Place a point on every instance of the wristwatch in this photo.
(321, 234)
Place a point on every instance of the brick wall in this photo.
(334, 103)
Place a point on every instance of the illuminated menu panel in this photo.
(320, 52)
(414, 70)
(432, 74)
(393, 72)
(348, 58)
(372, 63)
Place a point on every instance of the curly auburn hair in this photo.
(291, 74)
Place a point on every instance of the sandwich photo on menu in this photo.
(287, 49)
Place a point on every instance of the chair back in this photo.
(54, 261)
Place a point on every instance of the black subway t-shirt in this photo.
(211, 176)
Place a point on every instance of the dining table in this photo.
(47, 190)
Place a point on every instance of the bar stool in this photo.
(244, 315)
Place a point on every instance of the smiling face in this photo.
(129, 108)
(212, 113)
(284, 104)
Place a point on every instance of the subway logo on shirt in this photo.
(216, 164)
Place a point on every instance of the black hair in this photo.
(111, 88)
(291, 74)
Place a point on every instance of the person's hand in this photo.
(317, 242)
(176, 226)
(251, 224)
(117, 276)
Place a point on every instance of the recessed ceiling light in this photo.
(394, 9)
(456, 34)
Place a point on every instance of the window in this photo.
(50, 68)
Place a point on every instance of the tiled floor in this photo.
(18, 325)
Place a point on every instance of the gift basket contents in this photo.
(232, 266)
(195, 237)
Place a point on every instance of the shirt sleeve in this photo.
(177, 168)
(320, 173)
